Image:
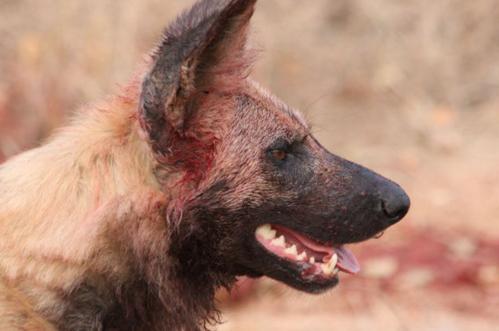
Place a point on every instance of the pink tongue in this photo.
(347, 261)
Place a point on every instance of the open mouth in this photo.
(315, 260)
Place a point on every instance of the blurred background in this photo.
(408, 88)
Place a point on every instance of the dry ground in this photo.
(409, 88)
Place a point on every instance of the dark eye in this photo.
(279, 154)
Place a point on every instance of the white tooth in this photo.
(279, 242)
(329, 267)
(312, 260)
(266, 232)
(302, 256)
(333, 260)
(326, 269)
(291, 250)
(263, 230)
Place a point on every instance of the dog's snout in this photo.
(395, 203)
(370, 203)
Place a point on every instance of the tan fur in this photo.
(17, 313)
(53, 205)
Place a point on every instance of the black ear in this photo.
(204, 43)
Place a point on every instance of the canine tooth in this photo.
(291, 250)
(311, 260)
(302, 256)
(266, 232)
(326, 269)
(334, 260)
(330, 260)
(279, 242)
(329, 267)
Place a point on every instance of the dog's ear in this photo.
(202, 51)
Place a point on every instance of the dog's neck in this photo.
(173, 276)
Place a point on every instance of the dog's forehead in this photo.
(285, 114)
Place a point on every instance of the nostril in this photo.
(396, 206)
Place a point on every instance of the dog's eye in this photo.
(279, 154)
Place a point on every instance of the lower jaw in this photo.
(313, 285)
(289, 273)
(317, 288)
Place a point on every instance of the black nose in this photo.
(395, 203)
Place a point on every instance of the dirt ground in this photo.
(408, 88)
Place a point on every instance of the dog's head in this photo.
(261, 196)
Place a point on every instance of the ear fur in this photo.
(204, 50)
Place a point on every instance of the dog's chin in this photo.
(317, 285)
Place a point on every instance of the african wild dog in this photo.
(132, 216)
